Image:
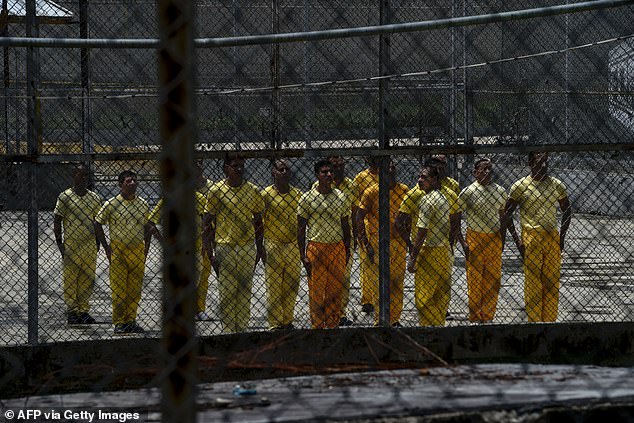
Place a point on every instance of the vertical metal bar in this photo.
(275, 77)
(566, 78)
(33, 133)
(307, 137)
(454, 88)
(4, 32)
(384, 187)
(234, 56)
(467, 101)
(178, 133)
(86, 123)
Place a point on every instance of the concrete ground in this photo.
(478, 393)
(597, 285)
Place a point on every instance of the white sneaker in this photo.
(201, 315)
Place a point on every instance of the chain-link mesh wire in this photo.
(555, 81)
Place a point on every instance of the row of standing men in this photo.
(285, 229)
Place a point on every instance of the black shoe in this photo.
(134, 328)
(73, 319)
(367, 308)
(448, 316)
(397, 325)
(86, 319)
(120, 328)
(344, 321)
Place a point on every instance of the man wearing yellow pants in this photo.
(127, 216)
(363, 181)
(483, 202)
(234, 212)
(322, 219)
(75, 211)
(283, 266)
(541, 244)
(430, 258)
(155, 219)
(368, 230)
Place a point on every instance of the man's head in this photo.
(281, 171)
(440, 161)
(482, 171)
(233, 167)
(128, 183)
(538, 162)
(323, 172)
(373, 163)
(429, 178)
(80, 176)
(338, 165)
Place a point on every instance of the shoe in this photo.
(133, 327)
(448, 316)
(202, 316)
(73, 318)
(86, 319)
(367, 308)
(120, 328)
(344, 321)
(397, 325)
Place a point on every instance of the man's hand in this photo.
(214, 263)
(108, 251)
(370, 251)
(62, 250)
(467, 251)
(522, 250)
(561, 243)
(411, 264)
(307, 265)
(260, 255)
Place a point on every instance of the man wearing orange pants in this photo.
(127, 216)
(368, 230)
(483, 203)
(541, 244)
(283, 266)
(322, 218)
(430, 257)
(363, 181)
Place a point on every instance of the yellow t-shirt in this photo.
(363, 180)
(452, 198)
(370, 203)
(434, 216)
(323, 213)
(482, 205)
(126, 219)
(410, 204)
(78, 215)
(155, 216)
(204, 190)
(538, 201)
(450, 184)
(280, 214)
(234, 208)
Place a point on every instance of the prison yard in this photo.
(597, 285)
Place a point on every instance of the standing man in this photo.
(322, 218)
(363, 181)
(446, 182)
(234, 216)
(203, 186)
(430, 258)
(344, 184)
(75, 211)
(283, 266)
(155, 219)
(368, 230)
(541, 244)
(127, 216)
(483, 202)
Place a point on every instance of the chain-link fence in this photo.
(445, 238)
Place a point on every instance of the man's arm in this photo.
(57, 230)
(101, 236)
(566, 210)
(507, 223)
(418, 244)
(345, 228)
(147, 239)
(301, 243)
(209, 239)
(503, 228)
(355, 232)
(258, 225)
(403, 224)
(455, 221)
(363, 236)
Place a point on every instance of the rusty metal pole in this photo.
(33, 142)
(177, 126)
(384, 180)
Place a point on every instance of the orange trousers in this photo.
(484, 274)
(326, 283)
(542, 266)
